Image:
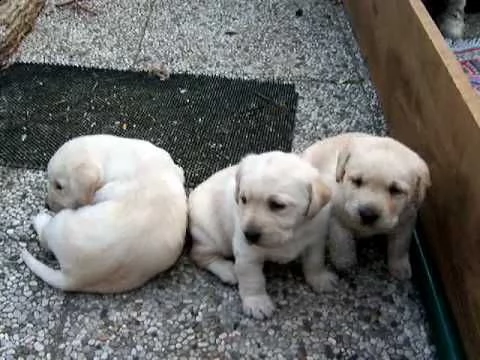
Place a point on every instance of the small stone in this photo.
(38, 347)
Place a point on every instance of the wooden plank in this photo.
(430, 106)
(17, 18)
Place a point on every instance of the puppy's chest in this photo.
(286, 253)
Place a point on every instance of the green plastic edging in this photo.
(444, 330)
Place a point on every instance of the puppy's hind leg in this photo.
(53, 277)
(205, 255)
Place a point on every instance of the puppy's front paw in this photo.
(324, 281)
(400, 268)
(224, 270)
(40, 221)
(258, 306)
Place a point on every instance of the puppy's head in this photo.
(378, 178)
(276, 192)
(73, 178)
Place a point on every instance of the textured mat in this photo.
(205, 122)
(468, 54)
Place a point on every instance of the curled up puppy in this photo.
(269, 207)
(380, 185)
(121, 215)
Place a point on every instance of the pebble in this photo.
(38, 347)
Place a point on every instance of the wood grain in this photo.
(431, 107)
(17, 18)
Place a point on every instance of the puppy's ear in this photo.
(180, 173)
(238, 176)
(320, 194)
(89, 177)
(342, 160)
(423, 181)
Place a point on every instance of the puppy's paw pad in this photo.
(260, 307)
(400, 269)
(40, 221)
(323, 282)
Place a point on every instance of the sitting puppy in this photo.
(380, 185)
(122, 215)
(267, 208)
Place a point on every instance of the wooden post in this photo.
(430, 106)
(17, 18)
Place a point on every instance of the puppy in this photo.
(449, 16)
(267, 208)
(452, 21)
(122, 215)
(380, 184)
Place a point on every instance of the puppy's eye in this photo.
(243, 199)
(394, 190)
(57, 186)
(275, 205)
(357, 181)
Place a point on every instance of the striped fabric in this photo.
(468, 54)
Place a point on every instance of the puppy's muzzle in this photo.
(368, 215)
(252, 236)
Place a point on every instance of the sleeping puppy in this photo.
(380, 185)
(267, 208)
(122, 215)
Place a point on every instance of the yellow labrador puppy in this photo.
(122, 215)
(267, 208)
(380, 184)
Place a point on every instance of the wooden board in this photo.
(17, 18)
(431, 107)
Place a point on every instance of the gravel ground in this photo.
(187, 313)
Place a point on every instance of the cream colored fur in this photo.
(270, 207)
(380, 184)
(121, 215)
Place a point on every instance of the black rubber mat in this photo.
(205, 122)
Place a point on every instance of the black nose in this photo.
(47, 206)
(368, 215)
(252, 236)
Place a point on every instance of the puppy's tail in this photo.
(52, 277)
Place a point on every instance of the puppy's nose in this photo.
(368, 215)
(47, 206)
(252, 236)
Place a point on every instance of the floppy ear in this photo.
(320, 194)
(238, 175)
(342, 160)
(180, 173)
(89, 177)
(423, 181)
